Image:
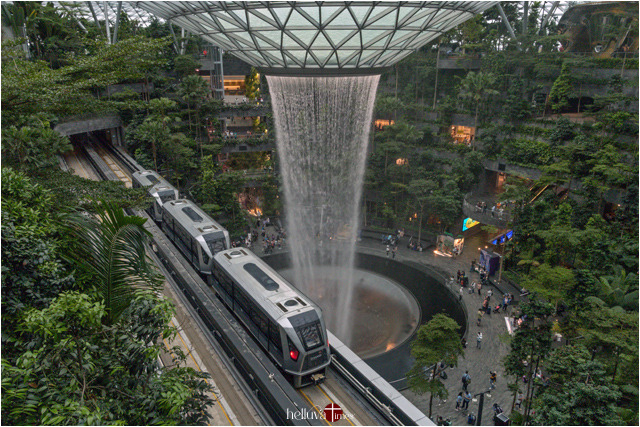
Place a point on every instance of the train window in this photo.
(152, 179)
(243, 301)
(261, 321)
(193, 215)
(274, 336)
(263, 278)
(214, 242)
(310, 336)
(205, 258)
(165, 196)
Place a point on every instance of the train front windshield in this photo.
(165, 196)
(214, 243)
(310, 335)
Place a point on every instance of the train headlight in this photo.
(294, 354)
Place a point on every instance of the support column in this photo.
(508, 25)
(115, 28)
(106, 22)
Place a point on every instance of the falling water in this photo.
(322, 131)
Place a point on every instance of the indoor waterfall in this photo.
(322, 132)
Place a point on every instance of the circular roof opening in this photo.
(291, 303)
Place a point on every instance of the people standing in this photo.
(480, 314)
(459, 400)
(461, 292)
(479, 340)
(395, 251)
(519, 399)
(479, 286)
(466, 398)
(388, 249)
(473, 266)
(466, 379)
(493, 376)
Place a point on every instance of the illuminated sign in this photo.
(502, 238)
(468, 223)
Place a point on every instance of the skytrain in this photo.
(287, 324)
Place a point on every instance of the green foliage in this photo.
(32, 87)
(185, 65)
(32, 273)
(112, 252)
(436, 341)
(562, 89)
(527, 152)
(578, 393)
(79, 371)
(619, 122)
(34, 145)
(252, 84)
(387, 106)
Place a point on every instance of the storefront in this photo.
(449, 246)
(463, 134)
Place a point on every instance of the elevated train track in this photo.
(271, 396)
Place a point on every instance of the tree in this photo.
(252, 84)
(437, 341)
(33, 146)
(620, 289)
(578, 392)
(476, 87)
(562, 89)
(77, 370)
(529, 346)
(185, 65)
(420, 190)
(32, 271)
(193, 90)
(112, 252)
(153, 132)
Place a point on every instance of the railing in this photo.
(496, 218)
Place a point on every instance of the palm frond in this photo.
(112, 248)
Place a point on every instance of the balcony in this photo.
(498, 217)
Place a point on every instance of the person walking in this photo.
(466, 379)
(466, 398)
(519, 400)
(459, 400)
(473, 266)
(461, 292)
(493, 376)
(479, 340)
(395, 251)
(479, 286)
(480, 314)
(388, 250)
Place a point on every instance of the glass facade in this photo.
(317, 35)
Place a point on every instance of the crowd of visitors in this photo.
(273, 236)
(497, 210)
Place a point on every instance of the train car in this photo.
(158, 188)
(287, 324)
(197, 236)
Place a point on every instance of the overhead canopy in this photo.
(328, 35)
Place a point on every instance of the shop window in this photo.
(463, 134)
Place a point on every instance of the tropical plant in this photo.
(437, 341)
(111, 250)
(193, 90)
(477, 87)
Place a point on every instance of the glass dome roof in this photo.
(328, 35)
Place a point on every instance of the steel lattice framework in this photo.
(317, 35)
